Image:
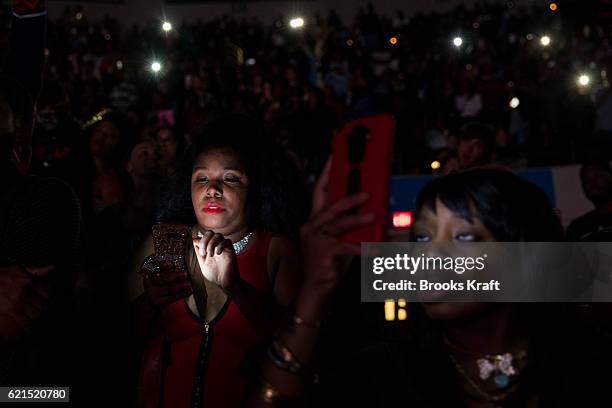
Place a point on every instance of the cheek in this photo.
(196, 194)
(239, 198)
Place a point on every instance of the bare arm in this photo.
(323, 269)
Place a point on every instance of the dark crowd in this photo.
(166, 235)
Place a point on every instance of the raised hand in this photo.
(322, 250)
(217, 258)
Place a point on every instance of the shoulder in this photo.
(284, 268)
(281, 249)
(281, 245)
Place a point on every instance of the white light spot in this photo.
(514, 102)
(296, 22)
(584, 80)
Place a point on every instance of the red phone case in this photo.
(364, 167)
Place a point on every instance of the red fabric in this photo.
(233, 337)
(149, 392)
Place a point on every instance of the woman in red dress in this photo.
(241, 272)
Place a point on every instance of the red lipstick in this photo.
(213, 208)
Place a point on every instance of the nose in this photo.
(213, 189)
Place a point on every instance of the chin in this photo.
(213, 224)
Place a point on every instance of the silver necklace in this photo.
(240, 245)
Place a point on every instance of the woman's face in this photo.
(104, 138)
(168, 145)
(447, 229)
(219, 187)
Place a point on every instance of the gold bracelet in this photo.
(287, 356)
(269, 394)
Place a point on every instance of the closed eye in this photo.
(422, 238)
(467, 237)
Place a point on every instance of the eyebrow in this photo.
(225, 168)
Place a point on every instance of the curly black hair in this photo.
(277, 199)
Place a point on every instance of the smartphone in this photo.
(170, 241)
(362, 153)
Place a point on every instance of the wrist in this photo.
(317, 291)
(311, 306)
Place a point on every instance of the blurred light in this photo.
(166, 26)
(47, 52)
(401, 303)
(457, 41)
(296, 22)
(476, 25)
(393, 40)
(553, 7)
(349, 42)
(78, 15)
(250, 61)
(402, 219)
(156, 67)
(435, 165)
(107, 37)
(389, 310)
(469, 67)
(514, 102)
(545, 40)
(584, 80)
(529, 36)
(604, 74)
(119, 65)
(402, 314)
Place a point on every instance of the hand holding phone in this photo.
(166, 277)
